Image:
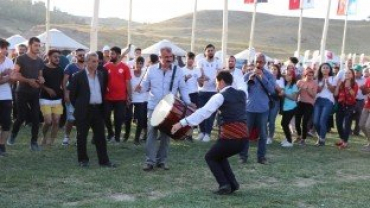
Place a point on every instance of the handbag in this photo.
(271, 99)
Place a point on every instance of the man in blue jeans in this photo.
(258, 105)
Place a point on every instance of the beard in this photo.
(114, 60)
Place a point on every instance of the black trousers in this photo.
(216, 159)
(139, 112)
(286, 118)
(357, 114)
(119, 111)
(28, 104)
(94, 120)
(304, 111)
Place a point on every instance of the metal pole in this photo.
(324, 34)
(129, 24)
(300, 32)
(192, 45)
(225, 31)
(251, 37)
(47, 27)
(94, 27)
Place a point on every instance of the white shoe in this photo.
(287, 144)
(269, 141)
(206, 138)
(200, 136)
(284, 141)
(65, 141)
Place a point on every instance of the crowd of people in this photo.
(85, 88)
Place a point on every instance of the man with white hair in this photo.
(161, 80)
(87, 89)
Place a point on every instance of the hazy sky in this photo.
(158, 10)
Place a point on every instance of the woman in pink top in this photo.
(306, 98)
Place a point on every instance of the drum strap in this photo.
(173, 77)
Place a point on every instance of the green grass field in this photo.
(299, 177)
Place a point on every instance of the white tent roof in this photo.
(245, 55)
(154, 49)
(14, 40)
(61, 41)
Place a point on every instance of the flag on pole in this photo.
(308, 4)
(253, 1)
(362, 59)
(351, 8)
(294, 4)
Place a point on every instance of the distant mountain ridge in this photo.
(275, 35)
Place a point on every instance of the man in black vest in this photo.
(233, 130)
(87, 90)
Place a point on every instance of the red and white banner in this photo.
(296, 4)
(253, 1)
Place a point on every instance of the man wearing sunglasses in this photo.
(70, 70)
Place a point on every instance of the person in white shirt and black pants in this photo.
(233, 131)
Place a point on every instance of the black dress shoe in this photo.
(234, 186)
(262, 160)
(83, 164)
(163, 166)
(243, 160)
(223, 190)
(108, 165)
(148, 167)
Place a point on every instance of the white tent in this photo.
(154, 49)
(15, 40)
(246, 54)
(59, 40)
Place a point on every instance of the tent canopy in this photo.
(154, 49)
(15, 40)
(246, 54)
(60, 41)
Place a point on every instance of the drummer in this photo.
(158, 82)
(233, 131)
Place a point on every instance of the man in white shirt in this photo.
(191, 74)
(209, 67)
(161, 80)
(238, 77)
(6, 67)
(233, 132)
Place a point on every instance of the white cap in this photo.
(106, 48)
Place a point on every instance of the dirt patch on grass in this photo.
(122, 197)
(154, 195)
(305, 182)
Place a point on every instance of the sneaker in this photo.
(35, 147)
(269, 141)
(320, 142)
(284, 141)
(206, 138)
(65, 141)
(11, 140)
(200, 136)
(287, 144)
(302, 142)
(3, 153)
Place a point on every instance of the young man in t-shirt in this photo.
(28, 72)
(68, 73)
(6, 66)
(191, 79)
(118, 93)
(51, 97)
(209, 67)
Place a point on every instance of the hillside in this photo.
(275, 35)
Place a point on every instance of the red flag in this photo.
(342, 7)
(294, 4)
